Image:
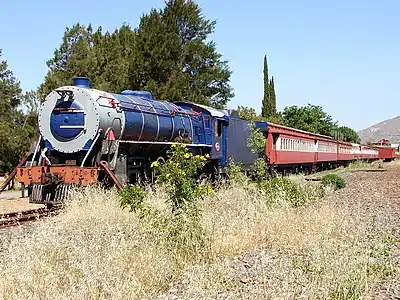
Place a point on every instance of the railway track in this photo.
(27, 216)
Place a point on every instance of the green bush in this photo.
(333, 180)
(183, 228)
(178, 174)
(180, 224)
(258, 170)
(256, 140)
(133, 197)
(283, 190)
(235, 173)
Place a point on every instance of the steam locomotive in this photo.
(88, 136)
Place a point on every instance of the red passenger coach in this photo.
(297, 149)
(287, 146)
(292, 149)
(345, 152)
(369, 152)
(326, 150)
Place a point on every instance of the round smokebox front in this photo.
(69, 119)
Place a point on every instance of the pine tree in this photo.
(265, 109)
(268, 109)
(174, 59)
(104, 58)
(71, 59)
(168, 55)
(10, 92)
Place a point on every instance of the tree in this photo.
(167, 54)
(272, 97)
(72, 58)
(249, 114)
(266, 105)
(276, 118)
(113, 53)
(31, 104)
(309, 118)
(347, 134)
(10, 92)
(312, 118)
(104, 58)
(15, 132)
(174, 61)
(268, 109)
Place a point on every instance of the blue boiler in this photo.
(154, 121)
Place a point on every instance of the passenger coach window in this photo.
(218, 128)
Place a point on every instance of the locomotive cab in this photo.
(213, 131)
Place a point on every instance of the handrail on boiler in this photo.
(148, 109)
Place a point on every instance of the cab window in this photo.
(218, 127)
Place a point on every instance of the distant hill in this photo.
(389, 129)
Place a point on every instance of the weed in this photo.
(288, 191)
(258, 170)
(334, 180)
(133, 197)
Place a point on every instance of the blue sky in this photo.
(343, 55)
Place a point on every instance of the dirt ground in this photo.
(377, 195)
(11, 201)
(15, 204)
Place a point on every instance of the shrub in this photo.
(235, 174)
(334, 180)
(256, 140)
(283, 190)
(133, 197)
(178, 174)
(258, 170)
(183, 229)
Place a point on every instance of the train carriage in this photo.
(344, 152)
(369, 153)
(386, 153)
(288, 146)
(326, 151)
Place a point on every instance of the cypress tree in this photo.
(272, 97)
(265, 109)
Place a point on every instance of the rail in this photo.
(18, 218)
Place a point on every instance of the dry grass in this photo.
(95, 250)
(312, 253)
